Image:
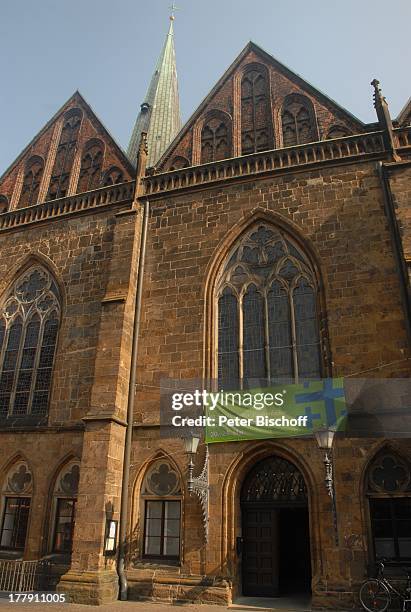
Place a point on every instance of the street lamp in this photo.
(198, 485)
(325, 439)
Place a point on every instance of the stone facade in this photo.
(330, 197)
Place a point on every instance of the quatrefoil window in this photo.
(161, 480)
(390, 474)
(19, 479)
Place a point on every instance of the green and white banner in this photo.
(274, 412)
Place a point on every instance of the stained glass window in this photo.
(267, 278)
(228, 336)
(29, 321)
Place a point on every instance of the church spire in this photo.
(159, 114)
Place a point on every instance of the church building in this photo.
(267, 237)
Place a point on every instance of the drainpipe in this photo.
(397, 245)
(132, 381)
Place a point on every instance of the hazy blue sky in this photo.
(107, 50)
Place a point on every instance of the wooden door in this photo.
(260, 563)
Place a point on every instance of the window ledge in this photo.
(156, 564)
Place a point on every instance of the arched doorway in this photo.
(275, 530)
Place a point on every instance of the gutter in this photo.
(397, 245)
(130, 413)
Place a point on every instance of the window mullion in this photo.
(18, 365)
(240, 340)
(163, 511)
(3, 348)
(267, 339)
(293, 335)
(36, 364)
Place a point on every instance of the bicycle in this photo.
(376, 593)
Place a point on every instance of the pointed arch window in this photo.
(64, 503)
(31, 182)
(63, 163)
(161, 495)
(16, 498)
(298, 121)
(29, 322)
(113, 176)
(388, 490)
(267, 310)
(215, 140)
(256, 121)
(91, 164)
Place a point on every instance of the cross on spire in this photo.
(173, 8)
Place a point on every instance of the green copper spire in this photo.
(159, 114)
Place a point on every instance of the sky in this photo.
(107, 50)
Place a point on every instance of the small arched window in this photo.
(256, 120)
(91, 164)
(161, 496)
(29, 322)
(63, 163)
(31, 182)
(267, 310)
(16, 497)
(4, 204)
(298, 121)
(64, 507)
(216, 140)
(388, 488)
(113, 176)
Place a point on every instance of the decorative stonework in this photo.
(389, 474)
(19, 480)
(162, 480)
(68, 481)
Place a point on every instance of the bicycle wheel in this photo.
(374, 596)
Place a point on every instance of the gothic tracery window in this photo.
(161, 494)
(63, 163)
(29, 321)
(389, 495)
(215, 140)
(256, 121)
(298, 121)
(113, 176)
(91, 164)
(31, 182)
(65, 500)
(267, 310)
(16, 498)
